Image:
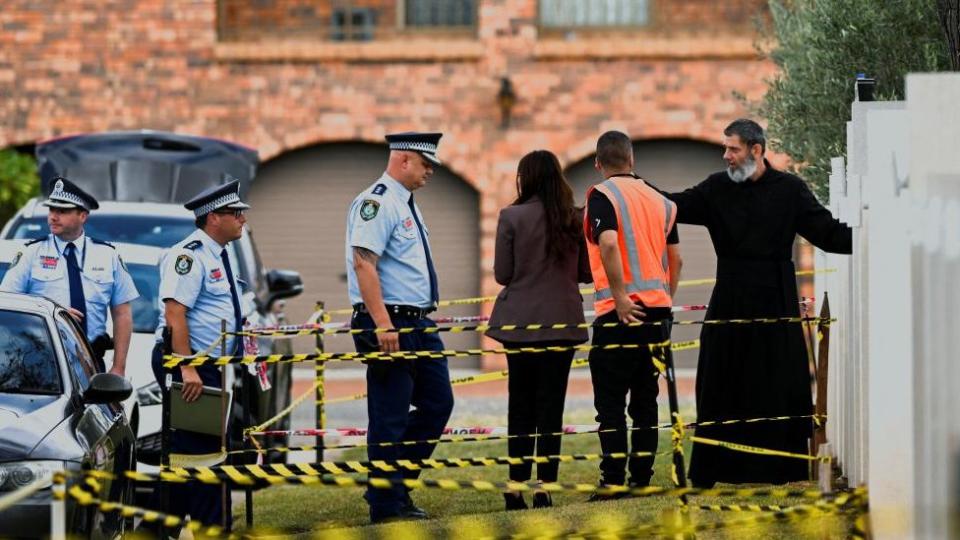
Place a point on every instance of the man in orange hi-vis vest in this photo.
(635, 261)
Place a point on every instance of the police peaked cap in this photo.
(423, 143)
(217, 197)
(66, 194)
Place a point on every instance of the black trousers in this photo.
(617, 372)
(538, 387)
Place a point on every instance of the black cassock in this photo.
(755, 370)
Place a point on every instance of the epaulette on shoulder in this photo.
(102, 243)
(193, 245)
(35, 240)
(379, 189)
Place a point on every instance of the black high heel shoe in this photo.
(542, 499)
(514, 501)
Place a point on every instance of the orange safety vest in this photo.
(644, 219)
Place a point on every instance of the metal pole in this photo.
(58, 509)
(248, 398)
(319, 381)
(165, 422)
(223, 424)
(679, 467)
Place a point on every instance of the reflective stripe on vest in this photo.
(637, 285)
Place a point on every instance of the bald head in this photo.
(409, 168)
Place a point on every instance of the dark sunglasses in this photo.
(235, 213)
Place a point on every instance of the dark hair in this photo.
(201, 221)
(539, 173)
(749, 132)
(614, 150)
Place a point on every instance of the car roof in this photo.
(33, 209)
(27, 303)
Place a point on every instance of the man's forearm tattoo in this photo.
(366, 255)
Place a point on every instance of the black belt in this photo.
(411, 312)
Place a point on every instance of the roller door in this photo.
(300, 201)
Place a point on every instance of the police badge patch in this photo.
(184, 264)
(16, 259)
(369, 209)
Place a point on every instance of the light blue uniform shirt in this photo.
(193, 274)
(41, 269)
(380, 220)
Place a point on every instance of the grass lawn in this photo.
(330, 512)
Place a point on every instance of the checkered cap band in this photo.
(219, 202)
(414, 146)
(65, 196)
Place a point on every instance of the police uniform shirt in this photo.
(193, 274)
(41, 269)
(380, 220)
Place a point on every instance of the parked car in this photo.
(141, 179)
(57, 413)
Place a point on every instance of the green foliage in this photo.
(820, 46)
(18, 181)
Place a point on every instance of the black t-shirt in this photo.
(603, 217)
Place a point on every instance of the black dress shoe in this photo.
(597, 496)
(514, 501)
(542, 499)
(408, 510)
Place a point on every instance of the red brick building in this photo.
(315, 84)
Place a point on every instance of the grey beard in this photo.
(741, 173)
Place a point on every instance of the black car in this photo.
(58, 412)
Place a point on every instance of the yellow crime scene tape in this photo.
(484, 437)
(737, 447)
(483, 328)
(504, 374)
(585, 290)
(297, 473)
(174, 360)
(169, 521)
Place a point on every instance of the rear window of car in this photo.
(28, 361)
(144, 230)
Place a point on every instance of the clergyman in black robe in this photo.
(753, 213)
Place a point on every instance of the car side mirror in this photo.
(107, 388)
(282, 284)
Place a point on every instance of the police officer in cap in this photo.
(75, 270)
(199, 289)
(393, 284)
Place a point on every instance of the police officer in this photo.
(392, 283)
(199, 289)
(75, 270)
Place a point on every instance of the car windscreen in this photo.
(28, 361)
(146, 312)
(131, 229)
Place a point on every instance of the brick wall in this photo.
(70, 66)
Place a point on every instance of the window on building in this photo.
(343, 20)
(571, 14)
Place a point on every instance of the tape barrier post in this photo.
(319, 381)
(58, 509)
(679, 467)
(247, 388)
(165, 421)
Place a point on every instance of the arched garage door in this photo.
(300, 201)
(671, 165)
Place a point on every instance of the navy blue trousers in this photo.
(393, 387)
(202, 501)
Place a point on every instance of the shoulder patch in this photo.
(16, 259)
(184, 264)
(379, 189)
(369, 209)
(193, 245)
(35, 240)
(102, 243)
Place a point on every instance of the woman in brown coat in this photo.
(540, 258)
